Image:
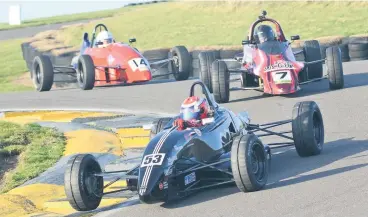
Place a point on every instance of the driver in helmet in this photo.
(192, 111)
(263, 34)
(104, 38)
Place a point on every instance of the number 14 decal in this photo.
(152, 160)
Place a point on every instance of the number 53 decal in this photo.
(281, 77)
(152, 160)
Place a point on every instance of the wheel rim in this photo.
(258, 162)
(92, 185)
(80, 73)
(38, 75)
(317, 129)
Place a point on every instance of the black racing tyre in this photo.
(361, 54)
(307, 128)
(206, 58)
(358, 58)
(220, 79)
(83, 190)
(335, 69)
(344, 52)
(358, 46)
(248, 80)
(182, 62)
(158, 126)
(86, 72)
(312, 52)
(42, 73)
(249, 163)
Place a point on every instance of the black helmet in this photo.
(263, 33)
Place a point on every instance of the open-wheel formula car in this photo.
(271, 66)
(117, 63)
(176, 163)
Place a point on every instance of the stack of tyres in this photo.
(358, 51)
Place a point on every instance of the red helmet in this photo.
(194, 108)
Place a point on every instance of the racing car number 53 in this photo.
(152, 160)
(138, 63)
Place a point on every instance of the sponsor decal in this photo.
(189, 178)
(279, 65)
(110, 59)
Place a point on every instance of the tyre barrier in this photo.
(352, 49)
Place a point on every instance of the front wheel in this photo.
(220, 81)
(307, 129)
(334, 68)
(86, 72)
(158, 126)
(181, 61)
(249, 163)
(42, 73)
(83, 189)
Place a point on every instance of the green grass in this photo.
(12, 65)
(61, 19)
(226, 23)
(39, 149)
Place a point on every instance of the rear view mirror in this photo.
(208, 120)
(132, 40)
(245, 42)
(295, 37)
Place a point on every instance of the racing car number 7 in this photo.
(152, 160)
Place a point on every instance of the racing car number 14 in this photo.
(138, 63)
(152, 160)
(281, 77)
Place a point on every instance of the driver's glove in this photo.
(180, 123)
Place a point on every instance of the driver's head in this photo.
(194, 108)
(104, 38)
(264, 33)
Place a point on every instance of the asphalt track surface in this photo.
(334, 183)
(33, 30)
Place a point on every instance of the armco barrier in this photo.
(352, 49)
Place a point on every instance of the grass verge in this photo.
(12, 66)
(36, 149)
(224, 23)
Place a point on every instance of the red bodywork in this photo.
(119, 63)
(279, 72)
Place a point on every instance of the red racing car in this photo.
(268, 64)
(106, 62)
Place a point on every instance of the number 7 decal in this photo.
(283, 74)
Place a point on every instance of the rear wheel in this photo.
(334, 68)
(86, 72)
(42, 73)
(181, 62)
(249, 163)
(312, 52)
(83, 190)
(220, 81)
(307, 128)
(206, 58)
(158, 126)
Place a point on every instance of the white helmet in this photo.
(104, 35)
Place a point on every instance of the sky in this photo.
(31, 9)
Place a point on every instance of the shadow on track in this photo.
(314, 88)
(287, 165)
